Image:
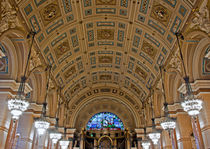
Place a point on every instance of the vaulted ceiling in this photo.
(106, 44)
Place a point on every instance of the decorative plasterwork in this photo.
(103, 42)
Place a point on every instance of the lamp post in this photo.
(18, 104)
(42, 124)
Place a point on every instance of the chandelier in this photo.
(18, 104)
(64, 143)
(168, 123)
(145, 144)
(191, 105)
(42, 124)
(55, 135)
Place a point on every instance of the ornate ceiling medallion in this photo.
(50, 12)
(161, 14)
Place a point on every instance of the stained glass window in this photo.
(105, 120)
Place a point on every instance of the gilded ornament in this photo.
(148, 49)
(105, 2)
(105, 34)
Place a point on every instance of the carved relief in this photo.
(69, 72)
(141, 72)
(201, 19)
(62, 49)
(35, 60)
(76, 87)
(105, 34)
(8, 17)
(161, 14)
(50, 12)
(105, 59)
(148, 49)
(105, 2)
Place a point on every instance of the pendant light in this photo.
(190, 104)
(18, 104)
(168, 123)
(155, 134)
(64, 143)
(55, 135)
(42, 124)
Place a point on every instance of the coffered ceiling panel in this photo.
(119, 42)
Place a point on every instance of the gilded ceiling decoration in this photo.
(116, 43)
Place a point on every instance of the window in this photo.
(105, 120)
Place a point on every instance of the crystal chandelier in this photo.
(18, 104)
(42, 124)
(168, 123)
(145, 144)
(64, 143)
(55, 135)
(191, 105)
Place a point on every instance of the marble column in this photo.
(70, 135)
(139, 135)
(204, 119)
(25, 130)
(184, 131)
(166, 140)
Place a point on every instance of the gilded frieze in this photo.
(105, 2)
(50, 12)
(62, 49)
(149, 49)
(141, 72)
(69, 72)
(161, 14)
(107, 34)
(105, 59)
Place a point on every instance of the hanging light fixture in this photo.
(190, 104)
(18, 104)
(168, 123)
(42, 124)
(155, 134)
(64, 143)
(55, 135)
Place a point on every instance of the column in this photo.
(166, 140)
(25, 130)
(139, 135)
(184, 131)
(70, 135)
(204, 119)
(95, 143)
(128, 139)
(4, 119)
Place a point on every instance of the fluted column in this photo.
(184, 131)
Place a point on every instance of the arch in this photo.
(102, 120)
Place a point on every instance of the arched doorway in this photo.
(105, 142)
